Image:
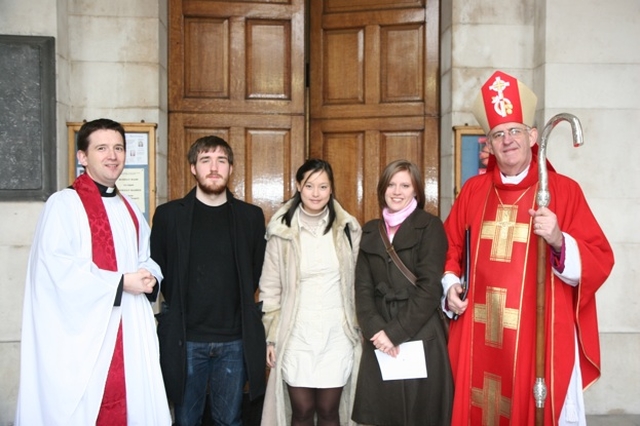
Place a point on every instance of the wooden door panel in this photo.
(369, 64)
(206, 42)
(238, 49)
(343, 72)
(402, 80)
(268, 59)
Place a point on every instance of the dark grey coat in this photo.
(170, 236)
(386, 300)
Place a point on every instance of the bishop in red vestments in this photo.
(492, 343)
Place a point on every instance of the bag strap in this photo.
(394, 256)
(407, 273)
(347, 232)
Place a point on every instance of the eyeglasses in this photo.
(514, 132)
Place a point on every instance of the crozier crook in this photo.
(542, 199)
(543, 196)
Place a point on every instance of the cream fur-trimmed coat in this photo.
(279, 293)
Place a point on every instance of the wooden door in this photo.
(236, 70)
(374, 94)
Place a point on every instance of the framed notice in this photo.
(470, 142)
(138, 179)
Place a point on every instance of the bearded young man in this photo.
(210, 247)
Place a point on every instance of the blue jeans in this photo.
(221, 367)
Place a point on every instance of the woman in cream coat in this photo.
(307, 295)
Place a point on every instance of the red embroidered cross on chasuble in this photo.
(503, 327)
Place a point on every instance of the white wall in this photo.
(17, 219)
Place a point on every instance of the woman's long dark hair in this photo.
(314, 166)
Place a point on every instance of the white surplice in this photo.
(70, 323)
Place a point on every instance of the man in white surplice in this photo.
(89, 351)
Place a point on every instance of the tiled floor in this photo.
(614, 420)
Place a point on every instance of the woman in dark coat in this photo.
(391, 310)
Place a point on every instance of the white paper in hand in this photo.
(409, 364)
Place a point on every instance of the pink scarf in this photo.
(393, 219)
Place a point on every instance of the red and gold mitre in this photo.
(504, 99)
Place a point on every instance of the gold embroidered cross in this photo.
(504, 231)
(496, 316)
(490, 400)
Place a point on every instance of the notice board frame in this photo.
(138, 179)
(469, 141)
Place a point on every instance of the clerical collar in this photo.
(514, 180)
(106, 191)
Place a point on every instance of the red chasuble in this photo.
(492, 346)
(113, 410)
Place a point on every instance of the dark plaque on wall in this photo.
(27, 117)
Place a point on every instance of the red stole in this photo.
(113, 410)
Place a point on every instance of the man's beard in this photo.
(211, 188)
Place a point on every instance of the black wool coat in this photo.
(386, 300)
(170, 243)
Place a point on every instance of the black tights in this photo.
(307, 402)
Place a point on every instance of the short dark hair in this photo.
(82, 139)
(313, 165)
(207, 144)
(399, 166)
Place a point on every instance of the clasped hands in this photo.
(139, 282)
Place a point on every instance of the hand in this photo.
(454, 304)
(271, 355)
(139, 282)
(382, 342)
(545, 225)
